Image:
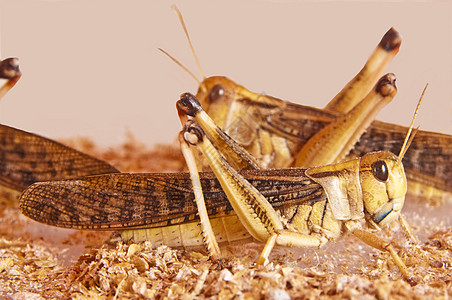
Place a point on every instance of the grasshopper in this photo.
(291, 207)
(281, 134)
(27, 158)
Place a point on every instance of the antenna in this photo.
(181, 65)
(409, 137)
(181, 19)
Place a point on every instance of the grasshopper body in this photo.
(318, 204)
(274, 130)
(28, 158)
(131, 201)
(315, 204)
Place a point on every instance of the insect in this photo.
(279, 133)
(314, 205)
(27, 158)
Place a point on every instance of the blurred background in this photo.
(92, 68)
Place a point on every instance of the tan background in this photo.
(92, 67)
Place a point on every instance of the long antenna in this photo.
(181, 19)
(181, 65)
(409, 137)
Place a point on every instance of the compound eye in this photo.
(216, 92)
(380, 170)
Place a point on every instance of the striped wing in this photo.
(26, 158)
(428, 160)
(120, 201)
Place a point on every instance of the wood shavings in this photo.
(25, 270)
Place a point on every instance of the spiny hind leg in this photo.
(253, 210)
(363, 82)
(189, 106)
(235, 154)
(9, 69)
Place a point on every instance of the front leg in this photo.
(381, 244)
(254, 211)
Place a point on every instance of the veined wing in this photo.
(427, 161)
(27, 158)
(120, 201)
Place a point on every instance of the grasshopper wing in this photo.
(119, 201)
(427, 161)
(27, 158)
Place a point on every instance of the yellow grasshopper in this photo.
(373, 186)
(314, 205)
(281, 134)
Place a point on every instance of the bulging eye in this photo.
(380, 170)
(216, 92)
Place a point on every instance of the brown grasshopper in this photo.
(314, 205)
(282, 134)
(27, 158)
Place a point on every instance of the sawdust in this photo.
(39, 261)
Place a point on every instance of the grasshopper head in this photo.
(384, 186)
(216, 94)
(216, 90)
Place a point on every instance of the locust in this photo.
(27, 157)
(281, 134)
